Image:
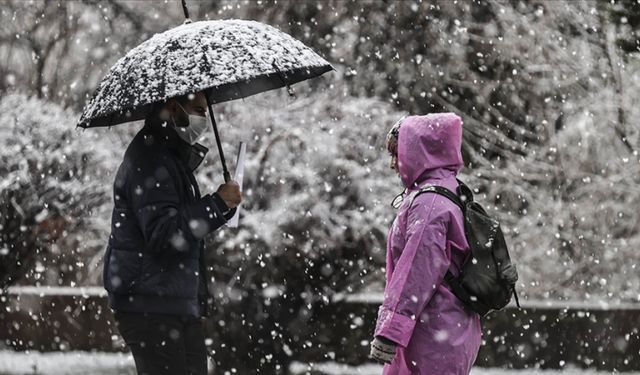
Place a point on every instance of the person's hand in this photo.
(230, 194)
(382, 350)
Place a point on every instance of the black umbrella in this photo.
(226, 59)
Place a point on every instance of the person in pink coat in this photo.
(422, 327)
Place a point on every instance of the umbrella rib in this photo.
(284, 82)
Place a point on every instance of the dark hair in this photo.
(392, 137)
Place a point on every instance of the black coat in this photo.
(154, 259)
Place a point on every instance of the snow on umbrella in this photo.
(226, 59)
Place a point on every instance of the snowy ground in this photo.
(70, 363)
(76, 363)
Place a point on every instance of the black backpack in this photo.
(487, 279)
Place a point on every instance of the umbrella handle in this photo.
(225, 171)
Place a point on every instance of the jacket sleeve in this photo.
(229, 214)
(167, 225)
(418, 272)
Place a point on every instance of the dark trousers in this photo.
(163, 343)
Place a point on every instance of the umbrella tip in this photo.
(291, 92)
(186, 12)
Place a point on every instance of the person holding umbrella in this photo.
(154, 268)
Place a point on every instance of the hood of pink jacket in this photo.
(429, 146)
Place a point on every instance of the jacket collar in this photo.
(164, 136)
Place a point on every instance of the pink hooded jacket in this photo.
(435, 333)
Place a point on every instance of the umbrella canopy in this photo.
(227, 59)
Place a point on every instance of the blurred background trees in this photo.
(55, 194)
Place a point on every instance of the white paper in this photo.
(238, 176)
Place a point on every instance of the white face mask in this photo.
(192, 132)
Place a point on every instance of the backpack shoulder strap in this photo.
(464, 191)
(449, 278)
(440, 191)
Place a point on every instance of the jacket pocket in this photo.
(175, 277)
(122, 270)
